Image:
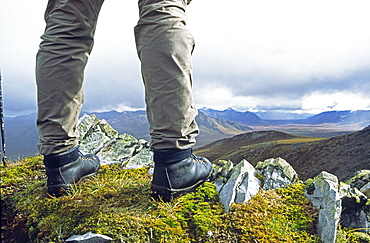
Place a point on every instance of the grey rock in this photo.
(229, 191)
(98, 137)
(219, 183)
(324, 195)
(355, 209)
(221, 173)
(222, 168)
(90, 238)
(249, 187)
(361, 180)
(276, 173)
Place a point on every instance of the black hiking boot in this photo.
(172, 176)
(64, 170)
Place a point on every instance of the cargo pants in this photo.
(164, 46)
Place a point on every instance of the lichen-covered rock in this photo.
(249, 187)
(361, 180)
(241, 181)
(355, 208)
(275, 173)
(323, 193)
(98, 137)
(222, 168)
(142, 157)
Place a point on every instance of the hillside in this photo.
(341, 155)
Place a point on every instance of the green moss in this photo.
(348, 235)
(116, 203)
(276, 215)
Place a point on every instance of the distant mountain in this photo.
(246, 118)
(251, 119)
(341, 155)
(21, 135)
(135, 123)
(212, 129)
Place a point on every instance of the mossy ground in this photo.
(116, 203)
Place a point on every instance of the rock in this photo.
(98, 137)
(324, 195)
(142, 157)
(249, 187)
(221, 173)
(222, 168)
(275, 173)
(90, 238)
(361, 180)
(355, 208)
(241, 181)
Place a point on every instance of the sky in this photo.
(292, 56)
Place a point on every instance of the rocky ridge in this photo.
(341, 155)
(238, 184)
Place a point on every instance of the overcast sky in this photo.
(302, 56)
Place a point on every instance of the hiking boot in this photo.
(64, 170)
(172, 176)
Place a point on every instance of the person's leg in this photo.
(164, 47)
(61, 60)
(60, 63)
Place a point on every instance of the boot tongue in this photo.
(167, 156)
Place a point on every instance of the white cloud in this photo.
(248, 55)
(319, 102)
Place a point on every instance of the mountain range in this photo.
(21, 134)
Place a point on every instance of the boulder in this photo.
(275, 173)
(240, 186)
(323, 193)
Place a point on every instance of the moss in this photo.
(348, 235)
(276, 215)
(116, 203)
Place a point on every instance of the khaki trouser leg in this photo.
(61, 60)
(165, 46)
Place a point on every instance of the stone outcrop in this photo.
(98, 137)
(240, 183)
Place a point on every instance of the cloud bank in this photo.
(288, 55)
